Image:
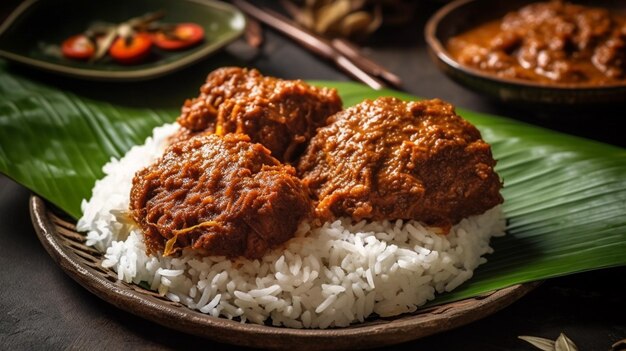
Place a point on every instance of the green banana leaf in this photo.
(565, 197)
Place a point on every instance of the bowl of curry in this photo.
(521, 51)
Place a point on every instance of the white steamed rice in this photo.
(328, 276)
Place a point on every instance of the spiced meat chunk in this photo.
(389, 159)
(280, 114)
(220, 196)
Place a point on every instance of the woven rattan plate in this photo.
(82, 263)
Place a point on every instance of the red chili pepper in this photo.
(131, 50)
(78, 47)
(183, 36)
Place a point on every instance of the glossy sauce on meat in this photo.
(282, 115)
(550, 42)
(219, 196)
(218, 192)
(389, 159)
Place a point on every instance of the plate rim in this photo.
(381, 332)
(135, 74)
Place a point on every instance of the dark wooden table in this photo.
(42, 308)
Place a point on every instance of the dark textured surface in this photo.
(42, 308)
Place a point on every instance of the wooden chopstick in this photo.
(352, 52)
(310, 41)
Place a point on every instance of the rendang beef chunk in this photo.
(222, 189)
(389, 159)
(219, 196)
(280, 114)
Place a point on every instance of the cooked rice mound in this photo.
(326, 276)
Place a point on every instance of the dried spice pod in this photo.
(357, 22)
(542, 344)
(562, 343)
(328, 16)
(351, 19)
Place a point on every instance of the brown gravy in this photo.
(548, 42)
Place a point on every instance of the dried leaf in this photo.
(349, 18)
(356, 5)
(328, 15)
(303, 15)
(540, 343)
(307, 18)
(619, 345)
(354, 23)
(378, 19)
(563, 343)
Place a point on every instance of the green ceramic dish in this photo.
(32, 31)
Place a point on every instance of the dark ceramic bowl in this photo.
(462, 15)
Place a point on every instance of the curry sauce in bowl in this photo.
(551, 52)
